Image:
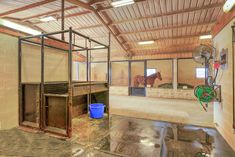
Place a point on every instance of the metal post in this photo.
(89, 75)
(87, 62)
(108, 61)
(145, 76)
(108, 80)
(70, 101)
(19, 83)
(42, 118)
(62, 19)
(233, 42)
(129, 78)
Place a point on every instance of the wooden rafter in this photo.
(48, 13)
(30, 6)
(170, 46)
(93, 2)
(161, 52)
(169, 13)
(100, 17)
(81, 4)
(175, 37)
(71, 15)
(88, 27)
(111, 7)
(166, 28)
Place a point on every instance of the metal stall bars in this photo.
(50, 95)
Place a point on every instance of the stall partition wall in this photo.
(120, 73)
(137, 81)
(124, 72)
(55, 65)
(165, 69)
(187, 76)
(132, 74)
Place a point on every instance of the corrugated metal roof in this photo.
(171, 23)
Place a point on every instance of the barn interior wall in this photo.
(8, 81)
(187, 72)
(164, 67)
(224, 111)
(55, 64)
(55, 70)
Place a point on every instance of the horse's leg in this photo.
(136, 84)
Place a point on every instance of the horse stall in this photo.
(56, 85)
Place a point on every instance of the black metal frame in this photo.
(70, 50)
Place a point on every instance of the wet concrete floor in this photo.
(124, 137)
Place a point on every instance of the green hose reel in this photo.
(205, 94)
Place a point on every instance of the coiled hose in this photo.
(205, 94)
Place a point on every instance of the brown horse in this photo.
(138, 79)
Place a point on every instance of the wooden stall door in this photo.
(31, 101)
(56, 114)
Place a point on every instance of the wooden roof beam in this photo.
(170, 52)
(93, 2)
(170, 46)
(30, 6)
(111, 7)
(48, 13)
(209, 6)
(88, 7)
(70, 15)
(174, 37)
(166, 28)
(81, 4)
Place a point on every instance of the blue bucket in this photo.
(96, 110)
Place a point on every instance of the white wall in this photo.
(223, 112)
(8, 81)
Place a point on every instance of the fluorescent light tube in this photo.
(145, 42)
(205, 37)
(228, 5)
(98, 47)
(47, 19)
(122, 3)
(18, 27)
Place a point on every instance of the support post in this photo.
(175, 73)
(62, 19)
(145, 76)
(70, 94)
(109, 77)
(19, 82)
(42, 104)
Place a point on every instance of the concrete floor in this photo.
(126, 137)
(170, 110)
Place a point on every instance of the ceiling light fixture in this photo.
(18, 27)
(228, 5)
(145, 42)
(122, 3)
(47, 19)
(205, 37)
(98, 47)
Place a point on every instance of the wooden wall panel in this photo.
(224, 111)
(8, 82)
(187, 72)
